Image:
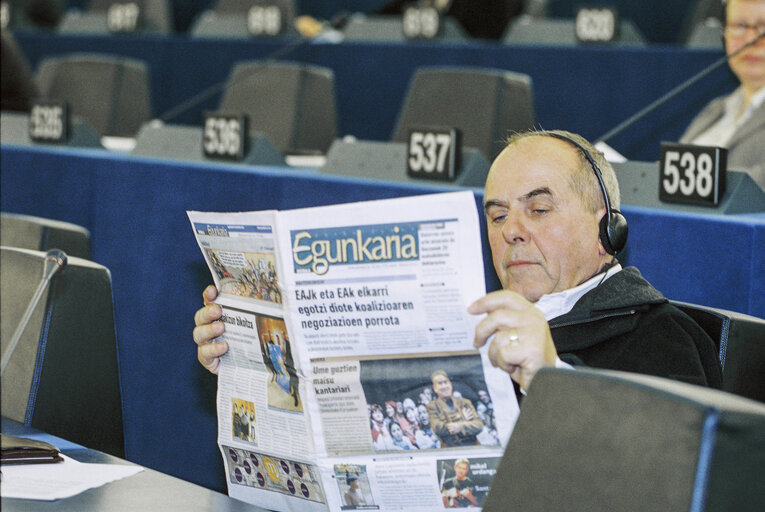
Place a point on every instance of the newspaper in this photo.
(351, 381)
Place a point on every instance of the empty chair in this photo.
(40, 234)
(180, 142)
(485, 104)
(292, 104)
(111, 93)
(30, 14)
(63, 375)
(589, 440)
(535, 8)
(707, 34)
(740, 339)
(231, 19)
(561, 32)
(119, 16)
(701, 20)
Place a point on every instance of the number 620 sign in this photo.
(692, 174)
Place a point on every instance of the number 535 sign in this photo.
(692, 174)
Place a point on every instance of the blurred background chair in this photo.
(63, 376)
(370, 27)
(31, 15)
(103, 17)
(707, 34)
(590, 440)
(293, 104)
(740, 339)
(561, 32)
(485, 104)
(229, 19)
(40, 234)
(702, 26)
(111, 93)
(535, 8)
(179, 142)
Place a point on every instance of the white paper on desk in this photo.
(61, 480)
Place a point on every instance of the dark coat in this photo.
(626, 324)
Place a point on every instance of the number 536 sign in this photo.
(692, 174)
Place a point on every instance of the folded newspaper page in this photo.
(351, 381)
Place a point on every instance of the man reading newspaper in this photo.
(564, 297)
(550, 201)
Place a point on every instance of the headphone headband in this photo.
(613, 225)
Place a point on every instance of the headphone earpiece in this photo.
(613, 232)
(613, 226)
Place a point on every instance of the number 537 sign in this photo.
(434, 153)
(692, 174)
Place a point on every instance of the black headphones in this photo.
(613, 225)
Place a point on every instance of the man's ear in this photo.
(600, 214)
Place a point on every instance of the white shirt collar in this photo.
(735, 101)
(722, 131)
(556, 304)
(758, 98)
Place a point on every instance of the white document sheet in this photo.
(60, 480)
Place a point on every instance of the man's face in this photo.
(542, 238)
(442, 386)
(749, 66)
(483, 396)
(460, 470)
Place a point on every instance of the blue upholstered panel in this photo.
(587, 90)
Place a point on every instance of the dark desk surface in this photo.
(145, 491)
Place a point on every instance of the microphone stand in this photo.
(677, 90)
(221, 86)
(55, 260)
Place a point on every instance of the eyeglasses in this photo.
(740, 29)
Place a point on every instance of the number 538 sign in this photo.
(692, 174)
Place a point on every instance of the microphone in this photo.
(55, 261)
(336, 23)
(674, 92)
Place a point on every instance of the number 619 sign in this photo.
(692, 174)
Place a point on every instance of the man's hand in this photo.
(454, 428)
(522, 342)
(208, 327)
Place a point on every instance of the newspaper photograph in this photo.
(351, 381)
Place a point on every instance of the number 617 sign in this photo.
(692, 174)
